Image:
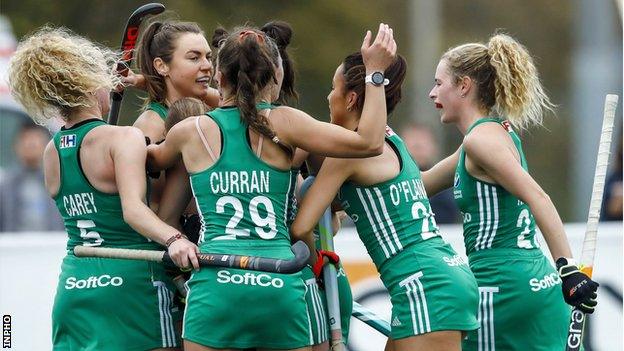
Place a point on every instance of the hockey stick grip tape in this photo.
(263, 264)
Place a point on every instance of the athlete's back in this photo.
(95, 173)
(243, 202)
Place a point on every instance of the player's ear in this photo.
(352, 97)
(161, 67)
(465, 86)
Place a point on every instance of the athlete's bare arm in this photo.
(176, 195)
(440, 176)
(298, 129)
(333, 173)
(51, 169)
(129, 153)
(184, 141)
(504, 168)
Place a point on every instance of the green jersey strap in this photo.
(159, 108)
(91, 217)
(492, 217)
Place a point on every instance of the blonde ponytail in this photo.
(55, 71)
(519, 94)
(507, 81)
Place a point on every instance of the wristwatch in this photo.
(377, 79)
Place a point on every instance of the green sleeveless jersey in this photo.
(394, 214)
(91, 217)
(244, 203)
(159, 108)
(493, 218)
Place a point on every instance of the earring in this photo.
(349, 108)
(463, 95)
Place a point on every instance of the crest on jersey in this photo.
(68, 141)
(507, 126)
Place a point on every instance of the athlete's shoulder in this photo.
(288, 112)
(485, 137)
(151, 124)
(149, 116)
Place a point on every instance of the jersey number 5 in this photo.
(84, 225)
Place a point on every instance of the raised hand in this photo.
(381, 53)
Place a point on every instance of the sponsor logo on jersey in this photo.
(548, 281)
(92, 282)
(68, 141)
(263, 280)
(457, 193)
(454, 261)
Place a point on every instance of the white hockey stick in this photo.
(577, 318)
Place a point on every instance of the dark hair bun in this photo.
(279, 31)
(218, 36)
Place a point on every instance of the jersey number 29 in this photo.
(265, 227)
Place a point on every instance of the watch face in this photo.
(377, 78)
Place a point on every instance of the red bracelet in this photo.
(173, 238)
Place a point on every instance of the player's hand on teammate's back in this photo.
(184, 253)
(381, 53)
(579, 290)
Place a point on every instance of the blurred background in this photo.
(577, 46)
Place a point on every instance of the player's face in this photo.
(190, 70)
(337, 98)
(445, 94)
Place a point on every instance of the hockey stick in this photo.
(330, 274)
(369, 317)
(262, 264)
(128, 42)
(577, 317)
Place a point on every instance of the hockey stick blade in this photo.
(128, 43)
(371, 319)
(253, 263)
